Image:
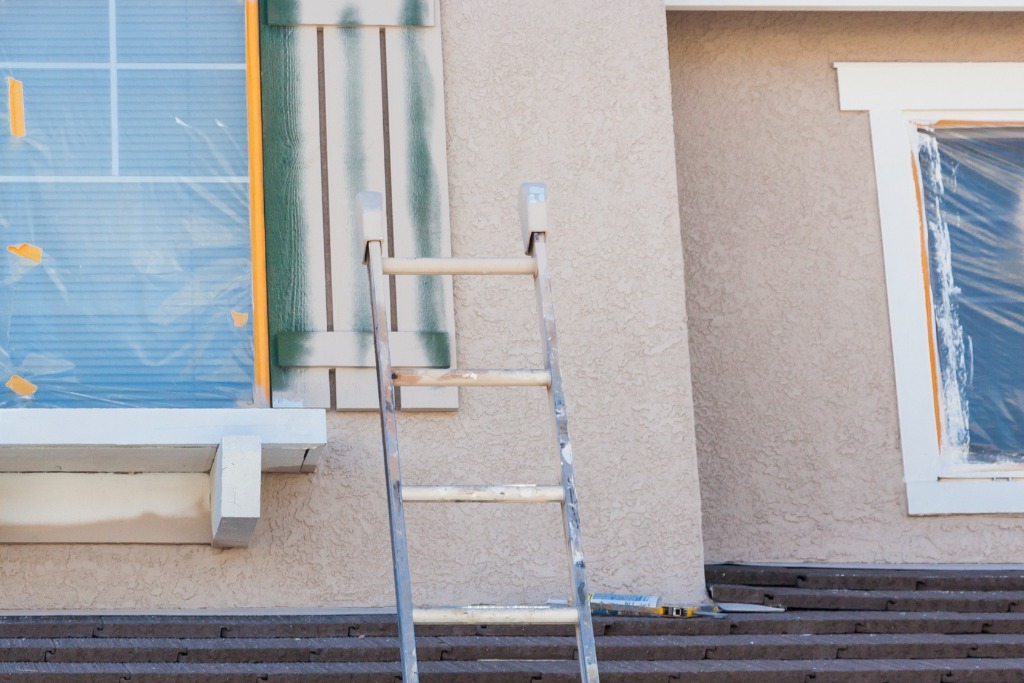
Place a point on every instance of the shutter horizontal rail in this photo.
(413, 377)
(483, 494)
(495, 615)
(521, 265)
(349, 349)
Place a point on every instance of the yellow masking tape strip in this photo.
(257, 224)
(240, 318)
(27, 251)
(16, 99)
(21, 386)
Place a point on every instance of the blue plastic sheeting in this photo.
(132, 179)
(54, 31)
(973, 185)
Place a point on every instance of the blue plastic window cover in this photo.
(972, 184)
(125, 269)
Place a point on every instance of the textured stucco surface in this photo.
(792, 363)
(576, 94)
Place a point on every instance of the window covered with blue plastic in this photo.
(972, 185)
(125, 275)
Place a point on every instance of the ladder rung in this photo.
(483, 494)
(410, 377)
(521, 265)
(495, 615)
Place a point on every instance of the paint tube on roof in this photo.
(621, 605)
(614, 599)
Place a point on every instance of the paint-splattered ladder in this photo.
(533, 216)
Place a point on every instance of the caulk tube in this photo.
(615, 605)
(618, 600)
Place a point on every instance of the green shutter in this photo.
(324, 136)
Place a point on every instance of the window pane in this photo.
(184, 31)
(54, 31)
(125, 260)
(68, 116)
(972, 184)
(183, 123)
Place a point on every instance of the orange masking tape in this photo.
(16, 99)
(932, 353)
(21, 386)
(27, 251)
(260, 323)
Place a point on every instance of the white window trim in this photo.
(850, 5)
(155, 440)
(894, 94)
(64, 464)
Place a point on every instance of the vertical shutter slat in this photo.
(419, 186)
(297, 290)
(355, 153)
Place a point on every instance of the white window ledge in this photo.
(965, 497)
(850, 5)
(146, 476)
(154, 440)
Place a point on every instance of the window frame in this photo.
(179, 439)
(897, 97)
(245, 61)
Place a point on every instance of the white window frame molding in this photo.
(849, 5)
(185, 475)
(155, 440)
(896, 95)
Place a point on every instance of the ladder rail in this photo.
(586, 644)
(371, 215)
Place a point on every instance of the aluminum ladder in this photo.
(533, 218)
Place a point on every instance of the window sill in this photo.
(146, 475)
(965, 497)
(154, 440)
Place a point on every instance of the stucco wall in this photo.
(792, 363)
(576, 94)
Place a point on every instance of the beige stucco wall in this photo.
(792, 363)
(576, 94)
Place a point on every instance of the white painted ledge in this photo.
(903, 86)
(965, 497)
(849, 5)
(155, 440)
(146, 476)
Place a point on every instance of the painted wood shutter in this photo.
(352, 101)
